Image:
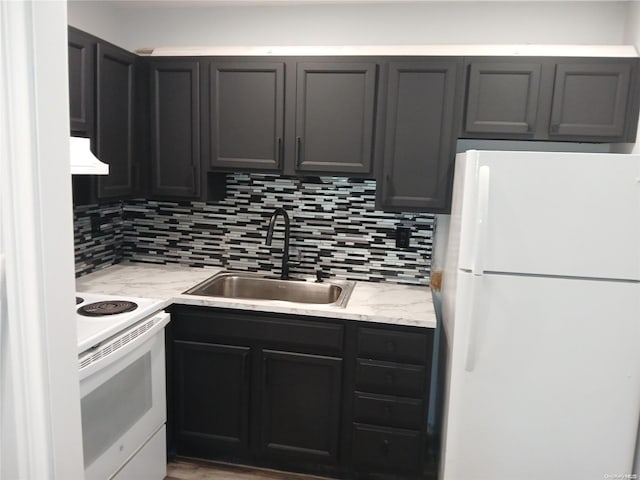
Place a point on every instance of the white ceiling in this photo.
(240, 3)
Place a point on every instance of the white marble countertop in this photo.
(370, 302)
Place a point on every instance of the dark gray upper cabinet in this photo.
(503, 97)
(81, 81)
(577, 99)
(419, 135)
(335, 109)
(115, 120)
(590, 99)
(247, 115)
(291, 115)
(175, 129)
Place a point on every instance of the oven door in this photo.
(123, 397)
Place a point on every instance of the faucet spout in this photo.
(285, 253)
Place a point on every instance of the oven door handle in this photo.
(109, 352)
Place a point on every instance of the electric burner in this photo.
(121, 311)
(79, 300)
(108, 307)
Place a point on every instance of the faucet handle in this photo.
(319, 275)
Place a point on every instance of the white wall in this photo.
(40, 420)
(133, 26)
(102, 19)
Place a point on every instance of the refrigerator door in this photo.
(544, 379)
(566, 214)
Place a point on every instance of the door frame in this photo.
(40, 428)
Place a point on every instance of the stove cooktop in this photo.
(95, 327)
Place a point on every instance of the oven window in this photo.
(114, 407)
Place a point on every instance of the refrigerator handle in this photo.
(477, 266)
(482, 211)
(476, 315)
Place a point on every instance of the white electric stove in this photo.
(121, 361)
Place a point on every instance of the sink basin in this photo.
(257, 287)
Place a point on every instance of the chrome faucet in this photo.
(285, 250)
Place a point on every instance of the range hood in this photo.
(83, 161)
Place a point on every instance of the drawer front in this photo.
(395, 346)
(209, 324)
(385, 377)
(386, 448)
(390, 411)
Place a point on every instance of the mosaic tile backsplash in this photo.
(100, 246)
(334, 227)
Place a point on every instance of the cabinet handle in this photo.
(389, 185)
(265, 371)
(247, 364)
(389, 378)
(384, 448)
(279, 152)
(298, 150)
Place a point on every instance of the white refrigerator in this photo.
(541, 315)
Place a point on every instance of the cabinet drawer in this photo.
(386, 448)
(385, 377)
(386, 410)
(396, 346)
(208, 324)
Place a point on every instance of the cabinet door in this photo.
(115, 119)
(81, 80)
(247, 115)
(335, 108)
(175, 129)
(211, 399)
(502, 98)
(419, 141)
(590, 99)
(301, 406)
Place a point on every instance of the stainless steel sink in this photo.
(257, 287)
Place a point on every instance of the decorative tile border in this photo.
(334, 227)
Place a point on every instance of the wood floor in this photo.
(183, 470)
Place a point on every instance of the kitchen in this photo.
(601, 23)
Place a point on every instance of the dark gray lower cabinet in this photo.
(211, 384)
(301, 405)
(255, 387)
(419, 136)
(391, 396)
(299, 393)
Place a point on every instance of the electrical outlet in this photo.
(403, 236)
